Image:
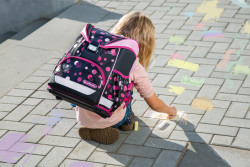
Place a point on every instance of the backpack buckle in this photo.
(93, 46)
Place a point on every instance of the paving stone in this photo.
(246, 83)
(191, 136)
(236, 122)
(138, 137)
(227, 89)
(237, 110)
(44, 86)
(234, 157)
(31, 101)
(38, 119)
(139, 107)
(112, 147)
(83, 150)
(180, 73)
(220, 104)
(110, 158)
(11, 100)
(161, 60)
(176, 24)
(163, 70)
(19, 113)
(203, 61)
(222, 140)
(161, 80)
(188, 109)
(244, 91)
(44, 107)
(43, 95)
(59, 141)
(138, 161)
(64, 105)
(166, 132)
(188, 122)
(219, 47)
(73, 133)
(65, 113)
(186, 97)
(167, 99)
(36, 79)
(199, 154)
(2, 114)
(70, 162)
(242, 139)
(200, 52)
(47, 67)
(7, 107)
(141, 151)
(63, 127)
(233, 97)
(165, 144)
(29, 160)
(149, 122)
(55, 157)
(167, 158)
(209, 91)
(20, 92)
(204, 71)
(2, 132)
(43, 73)
(214, 116)
(217, 129)
(5, 164)
(16, 126)
(29, 86)
(160, 43)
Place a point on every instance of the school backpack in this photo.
(94, 73)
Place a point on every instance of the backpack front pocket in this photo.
(82, 76)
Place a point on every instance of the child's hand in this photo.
(172, 112)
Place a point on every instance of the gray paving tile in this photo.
(138, 161)
(133, 150)
(19, 113)
(236, 122)
(167, 158)
(59, 141)
(138, 137)
(214, 116)
(237, 110)
(7, 107)
(242, 139)
(110, 158)
(222, 140)
(217, 129)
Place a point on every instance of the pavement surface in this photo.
(214, 128)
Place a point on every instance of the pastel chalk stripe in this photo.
(183, 64)
(136, 126)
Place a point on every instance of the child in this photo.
(139, 27)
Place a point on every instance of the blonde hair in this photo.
(137, 26)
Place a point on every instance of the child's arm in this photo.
(158, 105)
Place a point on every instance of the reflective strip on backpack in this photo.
(73, 85)
(106, 102)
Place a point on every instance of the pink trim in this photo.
(118, 72)
(49, 87)
(108, 111)
(84, 33)
(110, 73)
(125, 43)
(88, 62)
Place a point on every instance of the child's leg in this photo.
(128, 125)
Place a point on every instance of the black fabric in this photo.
(125, 61)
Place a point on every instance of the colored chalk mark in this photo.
(183, 64)
(241, 69)
(16, 142)
(212, 34)
(240, 3)
(189, 14)
(176, 40)
(199, 25)
(209, 8)
(56, 117)
(191, 81)
(175, 89)
(202, 103)
(226, 58)
(175, 55)
(246, 29)
(136, 126)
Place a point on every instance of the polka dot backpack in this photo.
(94, 73)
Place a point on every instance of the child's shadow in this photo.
(195, 154)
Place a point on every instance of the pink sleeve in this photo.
(141, 80)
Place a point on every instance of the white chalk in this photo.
(162, 124)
